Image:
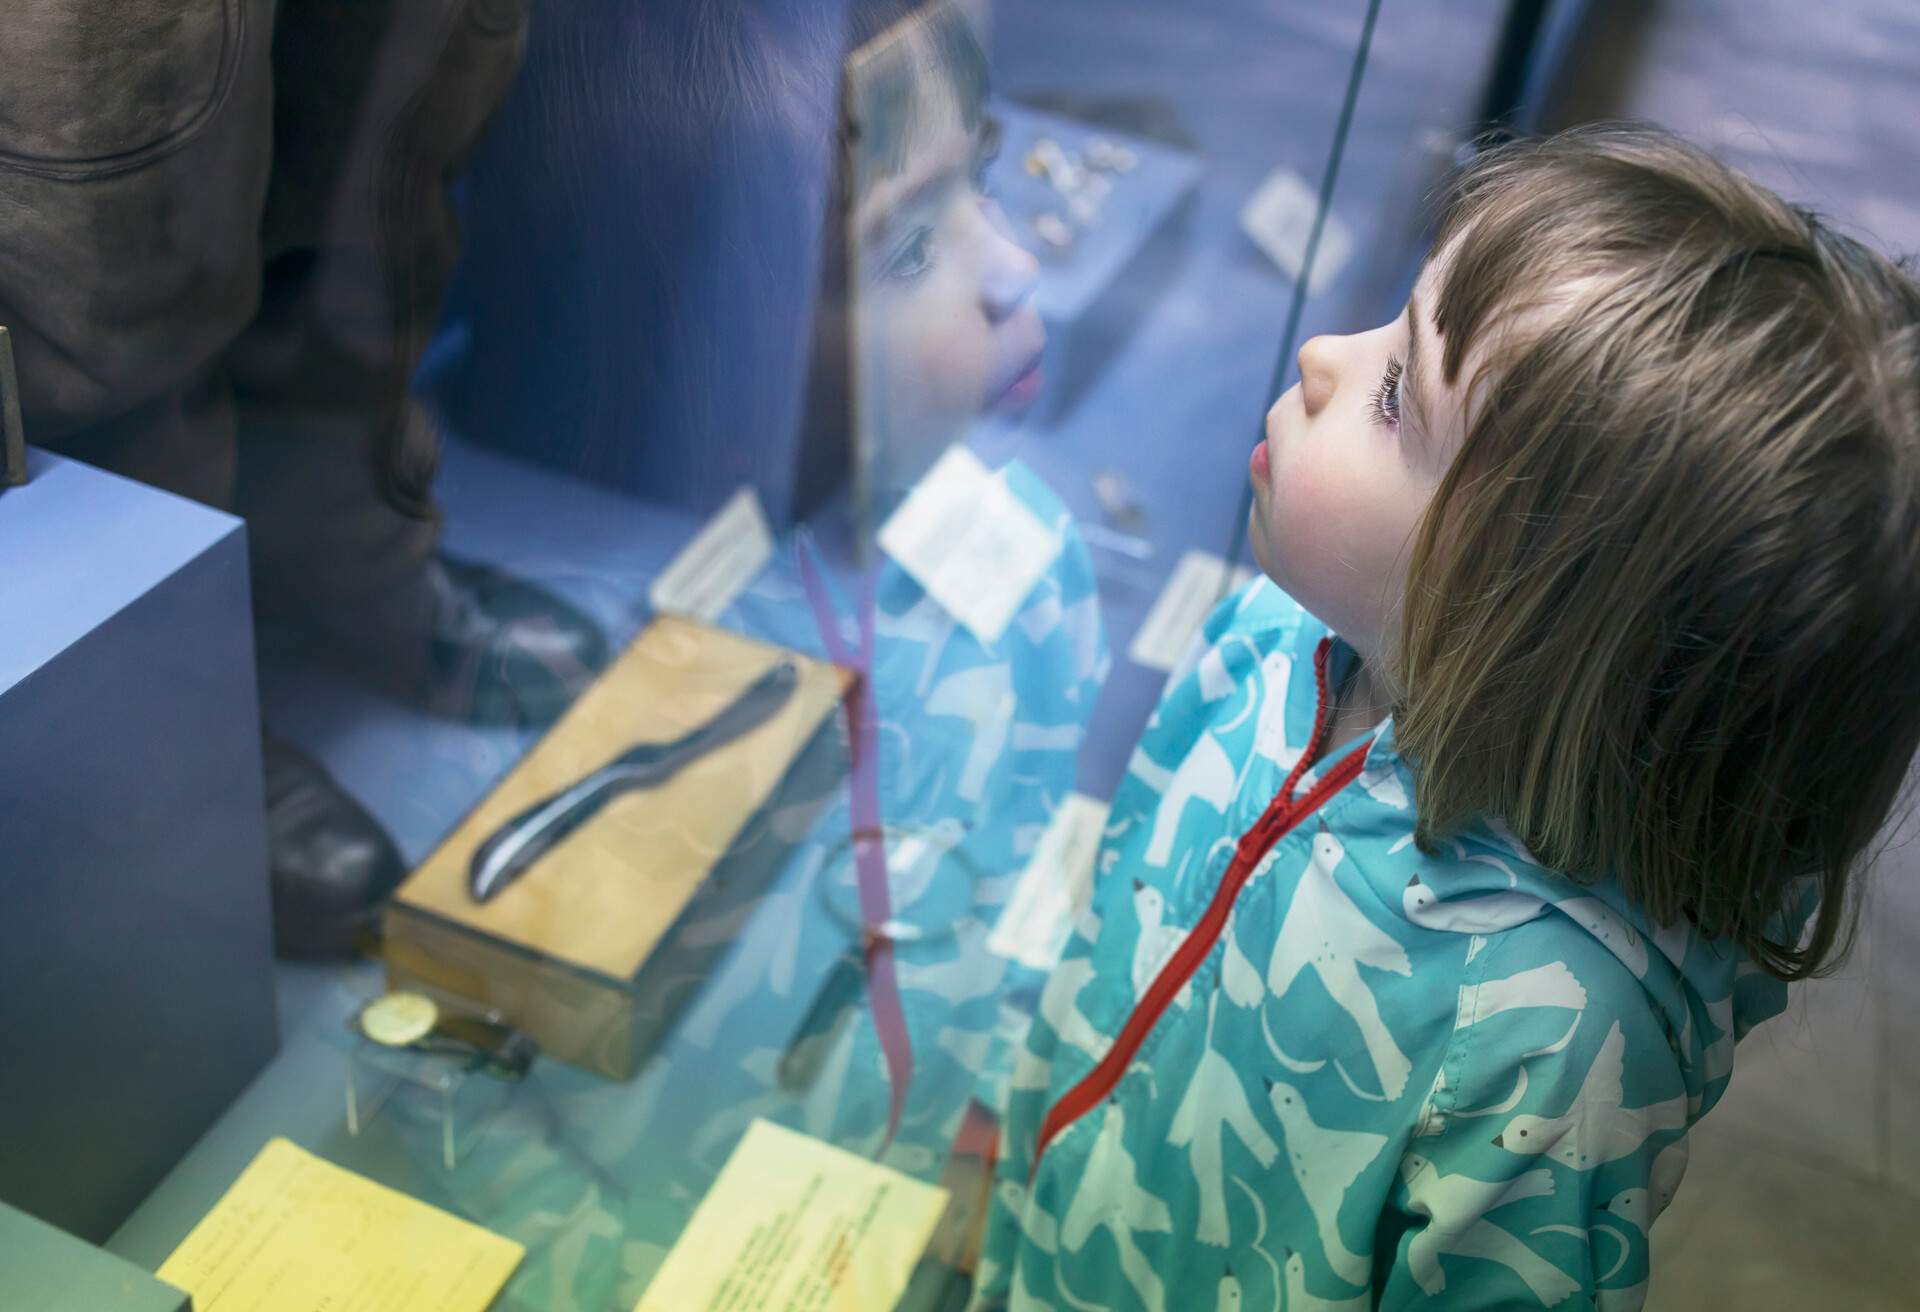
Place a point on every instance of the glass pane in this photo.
(726, 484)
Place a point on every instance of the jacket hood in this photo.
(1484, 880)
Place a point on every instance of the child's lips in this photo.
(1020, 390)
(1257, 466)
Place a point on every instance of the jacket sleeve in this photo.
(1555, 1133)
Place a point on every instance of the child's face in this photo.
(946, 327)
(1352, 456)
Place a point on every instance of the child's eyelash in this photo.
(1386, 397)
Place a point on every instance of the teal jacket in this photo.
(1288, 1061)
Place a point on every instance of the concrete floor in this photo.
(1804, 1187)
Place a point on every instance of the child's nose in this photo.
(1009, 272)
(1316, 377)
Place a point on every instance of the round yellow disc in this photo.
(398, 1019)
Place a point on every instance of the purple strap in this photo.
(869, 838)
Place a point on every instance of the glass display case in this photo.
(916, 350)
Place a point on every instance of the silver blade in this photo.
(759, 702)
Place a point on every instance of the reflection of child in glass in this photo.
(945, 328)
(1470, 840)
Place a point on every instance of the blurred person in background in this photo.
(228, 240)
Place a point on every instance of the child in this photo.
(1444, 880)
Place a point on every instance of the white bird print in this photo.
(1109, 1194)
(1083, 628)
(1227, 1298)
(1641, 1207)
(973, 973)
(968, 1047)
(1323, 930)
(778, 917)
(1216, 683)
(1382, 783)
(1299, 1297)
(983, 696)
(1325, 1164)
(1148, 771)
(1498, 828)
(1029, 737)
(913, 862)
(1042, 614)
(564, 1237)
(823, 1100)
(1024, 1299)
(1601, 921)
(926, 621)
(1261, 587)
(1031, 1071)
(1039, 1228)
(1238, 976)
(1215, 679)
(1551, 985)
(1259, 1229)
(1060, 1008)
(1156, 943)
(1596, 1129)
(1215, 1102)
(1205, 775)
(1456, 1207)
(1674, 940)
(1270, 735)
(1486, 913)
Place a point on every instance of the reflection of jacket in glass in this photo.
(977, 746)
(1286, 1051)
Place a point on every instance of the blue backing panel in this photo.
(136, 991)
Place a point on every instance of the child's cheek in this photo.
(951, 364)
(1314, 527)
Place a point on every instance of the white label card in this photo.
(1191, 593)
(1279, 219)
(719, 562)
(964, 537)
(1054, 888)
(796, 1225)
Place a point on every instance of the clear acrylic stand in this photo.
(439, 1080)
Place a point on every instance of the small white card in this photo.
(796, 1225)
(1279, 219)
(1054, 888)
(964, 537)
(720, 561)
(1191, 593)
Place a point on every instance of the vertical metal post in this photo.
(13, 439)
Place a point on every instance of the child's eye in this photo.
(912, 257)
(1386, 397)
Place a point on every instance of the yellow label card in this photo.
(298, 1234)
(796, 1225)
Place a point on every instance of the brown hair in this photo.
(1662, 613)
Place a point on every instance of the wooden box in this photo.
(581, 951)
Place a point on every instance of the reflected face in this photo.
(1352, 455)
(946, 330)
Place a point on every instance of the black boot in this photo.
(332, 864)
(505, 651)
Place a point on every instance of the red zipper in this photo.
(1281, 815)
